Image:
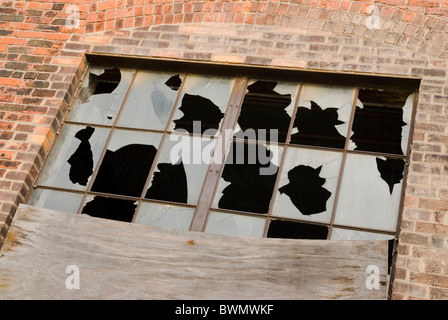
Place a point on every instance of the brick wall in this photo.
(42, 58)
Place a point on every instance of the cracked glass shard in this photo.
(235, 225)
(204, 99)
(248, 178)
(58, 172)
(150, 101)
(307, 185)
(95, 104)
(56, 200)
(165, 216)
(267, 106)
(366, 200)
(181, 169)
(322, 116)
(110, 208)
(296, 230)
(126, 163)
(381, 122)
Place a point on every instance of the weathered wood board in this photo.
(119, 260)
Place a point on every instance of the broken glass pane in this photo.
(181, 169)
(248, 177)
(73, 157)
(110, 208)
(235, 225)
(204, 100)
(101, 96)
(323, 116)
(56, 200)
(150, 101)
(381, 122)
(296, 230)
(165, 216)
(370, 192)
(307, 185)
(127, 162)
(266, 111)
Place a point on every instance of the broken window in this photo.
(232, 155)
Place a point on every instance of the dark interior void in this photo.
(305, 190)
(391, 171)
(197, 108)
(174, 82)
(81, 161)
(378, 126)
(249, 190)
(316, 127)
(105, 82)
(169, 184)
(110, 208)
(296, 230)
(264, 109)
(125, 170)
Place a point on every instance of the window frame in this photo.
(242, 74)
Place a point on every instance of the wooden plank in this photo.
(119, 260)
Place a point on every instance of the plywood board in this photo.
(119, 260)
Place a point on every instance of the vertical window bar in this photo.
(214, 171)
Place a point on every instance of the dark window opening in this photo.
(391, 171)
(378, 125)
(81, 161)
(169, 184)
(174, 82)
(316, 127)
(264, 109)
(305, 190)
(295, 230)
(248, 190)
(200, 110)
(110, 208)
(106, 82)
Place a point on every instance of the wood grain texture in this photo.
(129, 261)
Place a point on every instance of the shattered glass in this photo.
(266, 111)
(307, 185)
(235, 225)
(127, 162)
(101, 96)
(381, 122)
(56, 200)
(322, 116)
(248, 178)
(204, 99)
(110, 208)
(181, 169)
(74, 157)
(150, 101)
(370, 198)
(165, 216)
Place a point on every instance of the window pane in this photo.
(101, 96)
(381, 122)
(248, 177)
(307, 185)
(370, 192)
(295, 230)
(74, 157)
(110, 208)
(181, 169)
(165, 216)
(323, 116)
(150, 101)
(267, 105)
(127, 162)
(347, 234)
(235, 225)
(56, 200)
(203, 102)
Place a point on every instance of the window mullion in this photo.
(216, 165)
